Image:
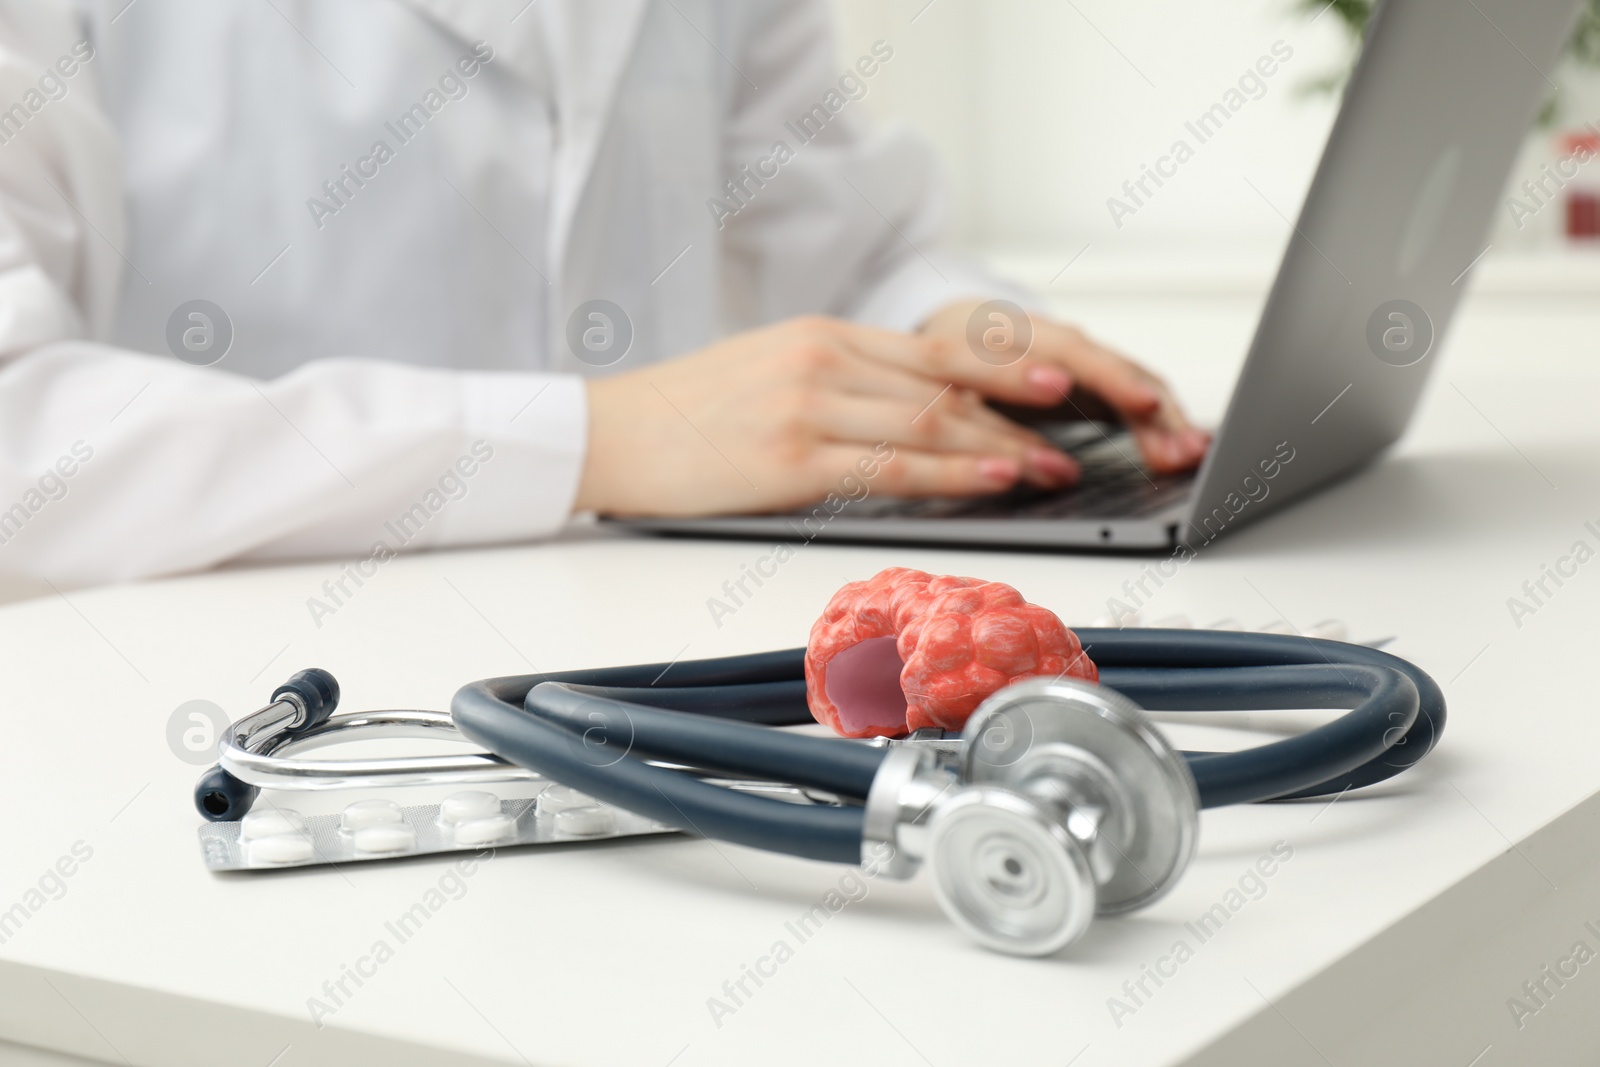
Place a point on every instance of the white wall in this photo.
(1043, 108)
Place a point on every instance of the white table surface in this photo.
(1403, 922)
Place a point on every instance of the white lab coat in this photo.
(401, 352)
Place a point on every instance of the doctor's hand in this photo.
(1090, 376)
(777, 417)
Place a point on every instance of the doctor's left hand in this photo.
(1139, 399)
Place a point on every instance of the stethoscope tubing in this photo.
(490, 713)
(591, 730)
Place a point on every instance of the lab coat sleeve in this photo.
(851, 222)
(117, 465)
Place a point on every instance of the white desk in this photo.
(1396, 933)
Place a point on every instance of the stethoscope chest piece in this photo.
(1008, 873)
(1065, 803)
(1094, 757)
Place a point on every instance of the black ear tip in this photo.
(220, 797)
(318, 689)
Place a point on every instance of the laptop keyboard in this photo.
(1115, 484)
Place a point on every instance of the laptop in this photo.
(1431, 121)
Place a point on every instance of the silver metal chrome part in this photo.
(1063, 801)
(909, 782)
(1095, 758)
(256, 749)
(1007, 872)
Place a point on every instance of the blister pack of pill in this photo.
(274, 836)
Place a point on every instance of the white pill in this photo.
(365, 813)
(586, 822)
(1329, 630)
(484, 831)
(384, 837)
(467, 806)
(281, 848)
(270, 822)
(558, 798)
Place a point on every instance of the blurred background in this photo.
(1042, 109)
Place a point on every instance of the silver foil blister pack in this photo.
(274, 836)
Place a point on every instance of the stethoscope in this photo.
(1060, 800)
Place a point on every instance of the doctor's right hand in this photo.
(774, 418)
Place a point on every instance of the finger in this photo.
(984, 411)
(911, 473)
(889, 346)
(1051, 361)
(1046, 464)
(1166, 438)
(1165, 453)
(1002, 374)
(856, 374)
(997, 372)
(1135, 393)
(830, 354)
(942, 427)
(860, 376)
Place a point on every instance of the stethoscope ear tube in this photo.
(315, 691)
(1193, 670)
(585, 736)
(300, 704)
(611, 728)
(780, 702)
(1397, 711)
(489, 713)
(1384, 705)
